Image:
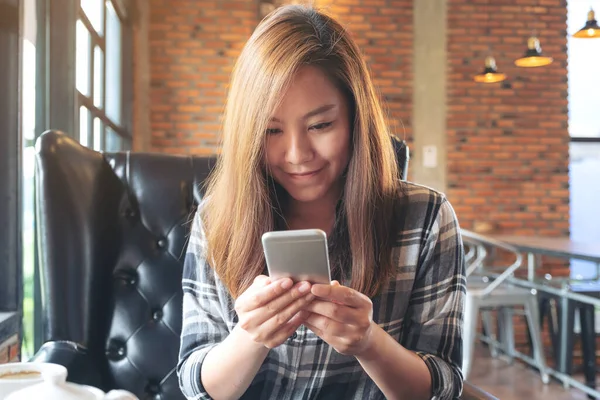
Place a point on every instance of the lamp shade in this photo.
(490, 74)
(591, 29)
(533, 55)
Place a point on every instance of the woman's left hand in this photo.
(342, 317)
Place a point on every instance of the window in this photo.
(10, 243)
(28, 131)
(94, 37)
(584, 129)
(100, 72)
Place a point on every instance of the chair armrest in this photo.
(472, 392)
(80, 366)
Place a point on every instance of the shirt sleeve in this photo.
(203, 325)
(434, 319)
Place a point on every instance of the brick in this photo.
(13, 353)
(9, 350)
(4, 355)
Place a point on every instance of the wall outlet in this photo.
(430, 157)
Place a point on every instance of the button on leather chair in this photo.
(112, 233)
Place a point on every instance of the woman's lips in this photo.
(303, 175)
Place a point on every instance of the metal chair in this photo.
(484, 294)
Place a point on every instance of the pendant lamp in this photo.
(490, 74)
(533, 55)
(591, 29)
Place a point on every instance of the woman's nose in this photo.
(299, 149)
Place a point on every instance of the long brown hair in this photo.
(239, 205)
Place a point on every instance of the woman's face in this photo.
(308, 138)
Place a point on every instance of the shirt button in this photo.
(294, 336)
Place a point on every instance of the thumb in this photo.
(335, 283)
(262, 280)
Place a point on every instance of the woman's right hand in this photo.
(270, 312)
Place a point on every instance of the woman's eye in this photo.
(321, 126)
(273, 131)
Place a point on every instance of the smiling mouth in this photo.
(304, 174)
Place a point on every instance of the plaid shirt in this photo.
(422, 309)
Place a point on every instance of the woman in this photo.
(305, 145)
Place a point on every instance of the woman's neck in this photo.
(318, 214)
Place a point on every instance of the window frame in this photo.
(125, 130)
(57, 108)
(10, 169)
(578, 139)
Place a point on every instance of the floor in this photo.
(516, 381)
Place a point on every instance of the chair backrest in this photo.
(112, 232)
(402, 156)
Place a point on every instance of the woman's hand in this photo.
(342, 317)
(272, 311)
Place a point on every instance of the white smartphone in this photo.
(297, 254)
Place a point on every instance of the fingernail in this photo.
(304, 287)
(287, 283)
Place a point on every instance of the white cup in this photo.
(10, 384)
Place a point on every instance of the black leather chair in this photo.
(112, 231)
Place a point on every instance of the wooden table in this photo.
(561, 247)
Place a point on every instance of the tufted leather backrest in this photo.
(160, 194)
(112, 233)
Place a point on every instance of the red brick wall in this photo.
(193, 45)
(508, 143)
(383, 30)
(9, 350)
